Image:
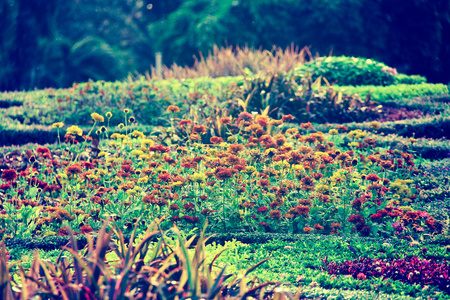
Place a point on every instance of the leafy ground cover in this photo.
(342, 208)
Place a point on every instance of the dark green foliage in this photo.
(345, 27)
(308, 101)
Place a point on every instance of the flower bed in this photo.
(259, 180)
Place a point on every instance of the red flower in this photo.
(246, 116)
(174, 207)
(42, 150)
(264, 182)
(200, 129)
(189, 206)
(5, 186)
(86, 229)
(164, 177)
(9, 175)
(185, 122)
(126, 168)
(216, 140)
(262, 209)
(223, 173)
(361, 276)
(373, 177)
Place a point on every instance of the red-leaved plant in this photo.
(410, 270)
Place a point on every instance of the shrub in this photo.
(344, 70)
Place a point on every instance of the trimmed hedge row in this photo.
(148, 100)
(434, 127)
(391, 93)
(55, 242)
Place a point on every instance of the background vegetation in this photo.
(53, 43)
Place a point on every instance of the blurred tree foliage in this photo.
(52, 43)
(412, 35)
(55, 43)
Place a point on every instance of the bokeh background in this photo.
(53, 43)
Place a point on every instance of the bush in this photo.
(344, 70)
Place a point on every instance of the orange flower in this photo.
(173, 109)
(307, 229)
(287, 118)
(276, 214)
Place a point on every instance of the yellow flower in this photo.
(97, 118)
(353, 144)
(271, 151)
(126, 110)
(139, 134)
(101, 153)
(132, 192)
(274, 122)
(333, 131)
(57, 125)
(108, 115)
(198, 177)
(91, 176)
(358, 133)
(102, 172)
(74, 130)
(212, 152)
(299, 168)
(249, 170)
(144, 157)
(231, 139)
(147, 142)
(143, 179)
(121, 126)
(322, 188)
(374, 125)
(406, 208)
(136, 152)
(412, 140)
(271, 196)
(176, 183)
